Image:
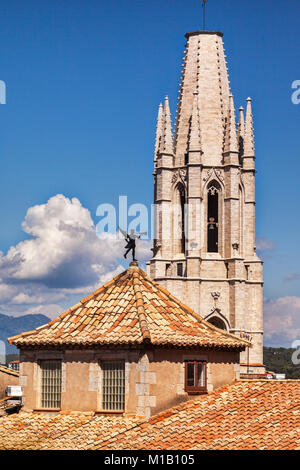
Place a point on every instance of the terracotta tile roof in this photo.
(130, 310)
(7, 370)
(245, 415)
(66, 430)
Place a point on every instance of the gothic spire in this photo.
(159, 129)
(195, 139)
(249, 134)
(166, 143)
(230, 131)
(204, 70)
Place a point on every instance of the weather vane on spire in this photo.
(204, 12)
(130, 241)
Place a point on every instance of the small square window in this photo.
(195, 377)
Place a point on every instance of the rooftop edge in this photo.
(196, 33)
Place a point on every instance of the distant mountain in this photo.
(279, 360)
(10, 326)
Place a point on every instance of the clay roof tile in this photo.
(146, 312)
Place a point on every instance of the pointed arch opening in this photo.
(217, 319)
(181, 201)
(218, 323)
(241, 150)
(213, 204)
(241, 219)
(179, 218)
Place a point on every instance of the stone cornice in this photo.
(197, 33)
(199, 279)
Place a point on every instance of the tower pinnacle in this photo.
(159, 129)
(241, 124)
(204, 70)
(230, 132)
(249, 134)
(195, 140)
(166, 143)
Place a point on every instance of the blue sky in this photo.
(84, 80)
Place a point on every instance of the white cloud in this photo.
(6, 291)
(63, 261)
(282, 321)
(22, 298)
(64, 250)
(292, 277)
(263, 244)
(52, 310)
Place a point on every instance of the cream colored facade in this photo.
(208, 168)
(7, 377)
(154, 377)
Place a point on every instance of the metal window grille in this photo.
(113, 385)
(51, 384)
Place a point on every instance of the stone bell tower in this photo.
(204, 194)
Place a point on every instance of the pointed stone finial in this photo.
(241, 133)
(159, 129)
(241, 124)
(195, 139)
(231, 143)
(166, 142)
(249, 134)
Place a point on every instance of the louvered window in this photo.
(51, 384)
(113, 385)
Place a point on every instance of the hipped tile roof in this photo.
(246, 415)
(131, 309)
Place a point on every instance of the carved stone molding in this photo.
(215, 295)
(235, 247)
(213, 172)
(179, 176)
(213, 190)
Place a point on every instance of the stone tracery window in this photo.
(213, 192)
(179, 217)
(181, 190)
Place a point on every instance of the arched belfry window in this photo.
(213, 194)
(241, 150)
(181, 191)
(179, 202)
